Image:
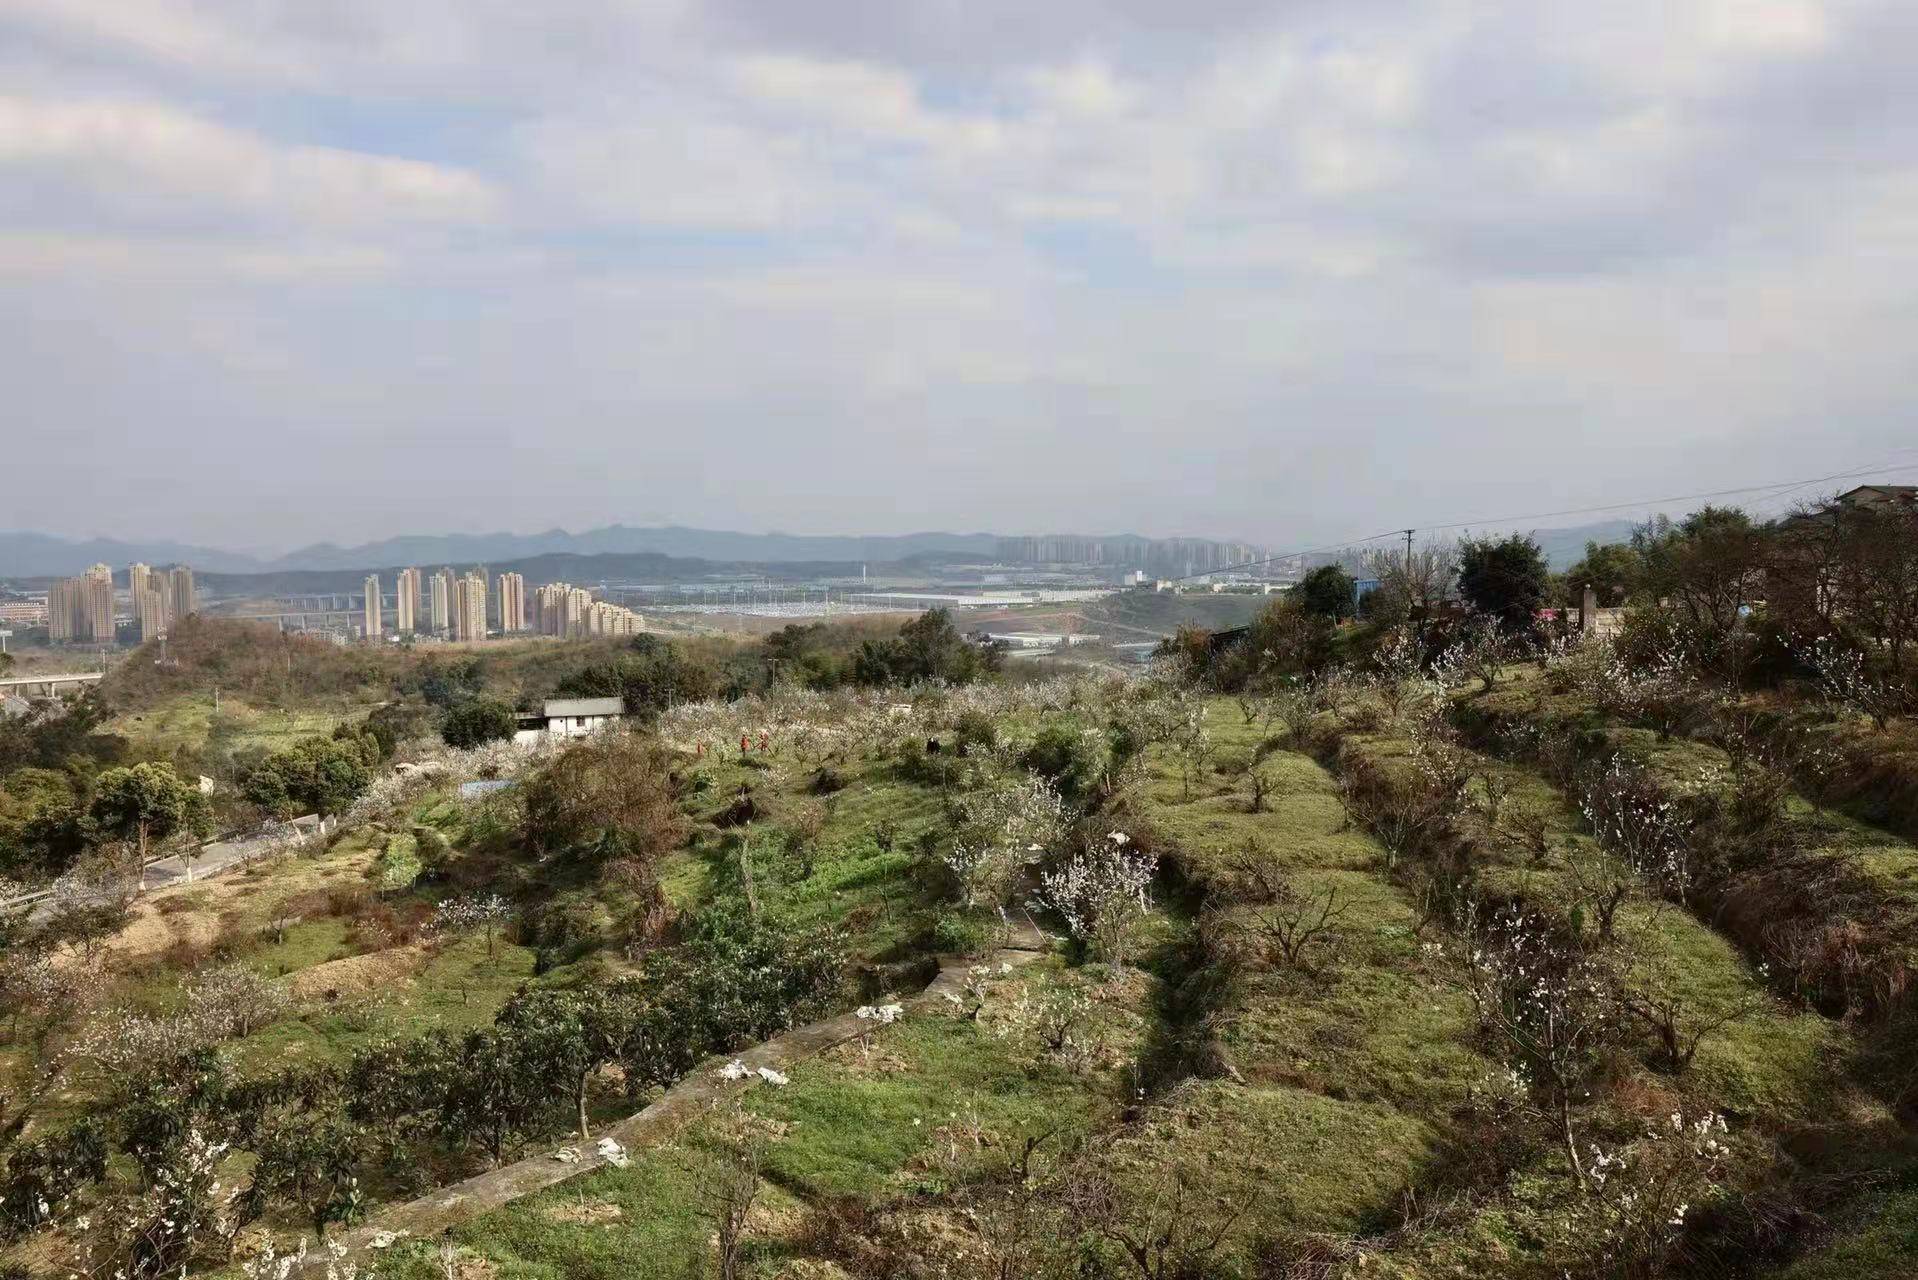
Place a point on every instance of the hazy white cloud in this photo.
(1246, 270)
(138, 160)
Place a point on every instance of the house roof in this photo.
(557, 708)
(1877, 494)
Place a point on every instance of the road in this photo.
(163, 873)
(221, 855)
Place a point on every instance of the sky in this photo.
(273, 272)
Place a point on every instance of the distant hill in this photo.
(668, 540)
(38, 555)
(582, 570)
(1564, 548)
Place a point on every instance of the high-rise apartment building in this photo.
(440, 609)
(469, 614)
(149, 607)
(374, 628)
(82, 609)
(562, 609)
(181, 599)
(60, 611)
(512, 603)
(406, 599)
(95, 599)
(445, 601)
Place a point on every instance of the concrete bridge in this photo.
(49, 683)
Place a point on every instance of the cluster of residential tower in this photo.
(461, 607)
(81, 610)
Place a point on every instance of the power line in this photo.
(1681, 497)
(1542, 515)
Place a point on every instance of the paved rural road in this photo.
(221, 855)
(211, 860)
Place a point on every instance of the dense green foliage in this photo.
(927, 648)
(1505, 578)
(607, 796)
(146, 804)
(319, 775)
(652, 676)
(1326, 592)
(476, 721)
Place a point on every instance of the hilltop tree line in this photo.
(1757, 600)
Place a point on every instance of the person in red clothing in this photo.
(745, 744)
(765, 742)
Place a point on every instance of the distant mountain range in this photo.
(39, 555)
(29, 555)
(1564, 548)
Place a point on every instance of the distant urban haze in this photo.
(273, 275)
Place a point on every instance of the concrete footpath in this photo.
(433, 1214)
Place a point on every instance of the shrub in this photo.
(1404, 808)
(731, 982)
(610, 795)
(319, 775)
(1000, 828)
(477, 721)
(43, 1174)
(962, 933)
(974, 729)
(1069, 758)
(1632, 816)
(1504, 579)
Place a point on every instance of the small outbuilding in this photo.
(570, 718)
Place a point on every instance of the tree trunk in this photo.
(1564, 1098)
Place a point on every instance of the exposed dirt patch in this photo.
(586, 1213)
(457, 1263)
(867, 1058)
(198, 914)
(356, 975)
(152, 929)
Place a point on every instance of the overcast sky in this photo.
(273, 271)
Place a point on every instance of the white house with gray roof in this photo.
(569, 718)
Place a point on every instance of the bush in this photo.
(608, 796)
(432, 848)
(1327, 592)
(962, 933)
(42, 1174)
(1072, 760)
(478, 721)
(974, 729)
(1505, 579)
(927, 648)
(318, 775)
(732, 982)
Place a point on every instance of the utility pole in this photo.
(1408, 566)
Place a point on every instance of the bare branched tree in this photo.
(1167, 1232)
(1286, 921)
(1678, 1023)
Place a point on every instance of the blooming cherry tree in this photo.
(1104, 895)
